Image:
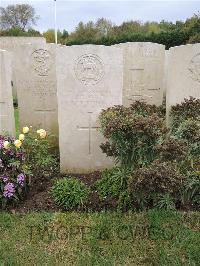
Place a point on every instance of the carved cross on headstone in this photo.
(45, 113)
(89, 128)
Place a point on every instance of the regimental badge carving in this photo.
(41, 62)
(89, 69)
(194, 67)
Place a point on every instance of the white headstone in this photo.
(143, 72)
(37, 89)
(165, 71)
(183, 78)
(6, 101)
(89, 80)
(10, 44)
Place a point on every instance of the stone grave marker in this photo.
(10, 44)
(6, 101)
(37, 88)
(183, 79)
(89, 79)
(143, 72)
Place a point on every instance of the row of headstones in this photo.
(69, 86)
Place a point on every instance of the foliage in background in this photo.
(167, 33)
(103, 31)
(19, 16)
(69, 193)
(12, 172)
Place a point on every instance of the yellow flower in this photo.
(6, 144)
(38, 131)
(25, 130)
(18, 143)
(42, 133)
(21, 137)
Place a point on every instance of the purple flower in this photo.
(5, 178)
(9, 190)
(20, 179)
(20, 155)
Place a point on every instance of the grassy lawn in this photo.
(148, 238)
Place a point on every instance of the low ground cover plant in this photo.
(69, 193)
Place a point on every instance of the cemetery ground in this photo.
(94, 219)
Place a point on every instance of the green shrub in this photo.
(191, 189)
(132, 133)
(172, 150)
(189, 130)
(145, 109)
(187, 110)
(69, 193)
(114, 184)
(147, 184)
(41, 155)
(165, 202)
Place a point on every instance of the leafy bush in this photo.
(38, 146)
(147, 184)
(185, 118)
(114, 184)
(191, 189)
(132, 133)
(158, 159)
(187, 110)
(189, 130)
(111, 183)
(145, 109)
(12, 174)
(166, 202)
(172, 150)
(69, 193)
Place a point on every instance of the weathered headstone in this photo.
(37, 89)
(10, 44)
(143, 72)
(6, 101)
(183, 78)
(89, 79)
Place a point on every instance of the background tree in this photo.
(20, 16)
(49, 35)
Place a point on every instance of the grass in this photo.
(17, 121)
(149, 238)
